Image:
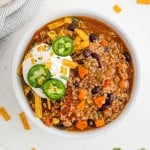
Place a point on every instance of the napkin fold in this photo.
(13, 15)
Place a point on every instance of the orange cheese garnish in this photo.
(69, 63)
(117, 8)
(41, 48)
(143, 1)
(33, 60)
(24, 121)
(48, 65)
(38, 105)
(26, 90)
(51, 53)
(63, 70)
(4, 114)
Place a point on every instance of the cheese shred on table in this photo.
(24, 121)
(143, 1)
(117, 8)
(4, 114)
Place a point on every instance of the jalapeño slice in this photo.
(63, 46)
(37, 75)
(54, 89)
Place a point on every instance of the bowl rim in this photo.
(19, 92)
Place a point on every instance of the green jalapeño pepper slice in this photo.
(63, 46)
(37, 75)
(54, 89)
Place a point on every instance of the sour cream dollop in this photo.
(43, 54)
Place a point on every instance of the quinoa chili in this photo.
(100, 77)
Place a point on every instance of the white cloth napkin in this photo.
(4, 2)
(14, 14)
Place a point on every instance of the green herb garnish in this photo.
(74, 19)
(63, 77)
(116, 148)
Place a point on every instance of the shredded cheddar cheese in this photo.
(63, 70)
(82, 34)
(51, 53)
(61, 33)
(49, 104)
(69, 63)
(117, 8)
(55, 120)
(24, 121)
(26, 90)
(38, 106)
(143, 1)
(33, 60)
(29, 55)
(4, 114)
(40, 81)
(48, 65)
(56, 24)
(82, 45)
(52, 34)
(41, 48)
(67, 20)
(19, 70)
(77, 40)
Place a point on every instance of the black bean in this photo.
(72, 26)
(106, 48)
(127, 56)
(80, 61)
(60, 126)
(87, 53)
(104, 106)
(95, 90)
(30, 95)
(93, 37)
(109, 99)
(76, 84)
(91, 123)
(97, 57)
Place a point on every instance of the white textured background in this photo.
(132, 133)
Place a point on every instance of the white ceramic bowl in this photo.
(18, 86)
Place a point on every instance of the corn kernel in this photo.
(55, 120)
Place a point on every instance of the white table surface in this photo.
(132, 133)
